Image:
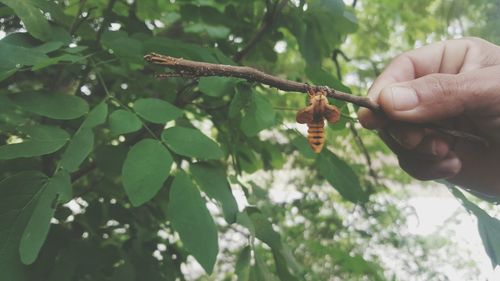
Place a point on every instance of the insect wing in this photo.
(305, 115)
(331, 113)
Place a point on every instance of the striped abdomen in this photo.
(316, 135)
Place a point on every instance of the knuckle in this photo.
(486, 52)
(443, 84)
(443, 91)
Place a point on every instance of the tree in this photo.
(111, 174)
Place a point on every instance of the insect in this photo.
(314, 114)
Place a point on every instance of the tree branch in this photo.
(267, 23)
(188, 68)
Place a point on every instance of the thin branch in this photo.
(83, 171)
(203, 69)
(106, 19)
(352, 128)
(364, 151)
(335, 58)
(123, 106)
(267, 24)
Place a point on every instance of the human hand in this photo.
(453, 83)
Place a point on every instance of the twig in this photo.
(106, 19)
(123, 106)
(352, 128)
(83, 171)
(183, 67)
(364, 151)
(267, 24)
(335, 58)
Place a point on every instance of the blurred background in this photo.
(348, 214)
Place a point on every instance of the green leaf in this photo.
(55, 60)
(42, 140)
(217, 86)
(341, 176)
(122, 122)
(110, 158)
(15, 212)
(489, 227)
(262, 272)
(263, 228)
(79, 147)
(55, 106)
(49, 47)
(240, 100)
(128, 49)
(217, 32)
(19, 55)
(191, 142)
(286, 265)
(192, 221)
(213, 180)
(4, 74)
(242, 268)
(97, 116)
(303, 146)
(156, 110)
(82, 142)
(54, 9)
(35, 22)
(259, 116)
(243, 219)
(145, 169)
(38, 225)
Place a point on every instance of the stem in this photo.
(123, 106)
(364, 151)
(106, 14)
(267, 24)
(189, 68)
(352, 128)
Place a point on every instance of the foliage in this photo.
(110, 174)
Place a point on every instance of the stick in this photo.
(189, 69)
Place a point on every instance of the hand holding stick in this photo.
(189, 69)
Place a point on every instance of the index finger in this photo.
(442, 57)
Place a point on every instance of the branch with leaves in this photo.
(268, 22)
(192, 69)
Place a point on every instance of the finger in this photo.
(409, 137)
(442, 57)
(431, 170)
(416, 143)
(440, 96)
(369, 120)
(433, 146)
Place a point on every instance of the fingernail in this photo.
(439, 148)
(403, 98)
(449, 167)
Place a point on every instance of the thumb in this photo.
(439, 96)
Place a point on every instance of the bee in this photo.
(314, 114)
